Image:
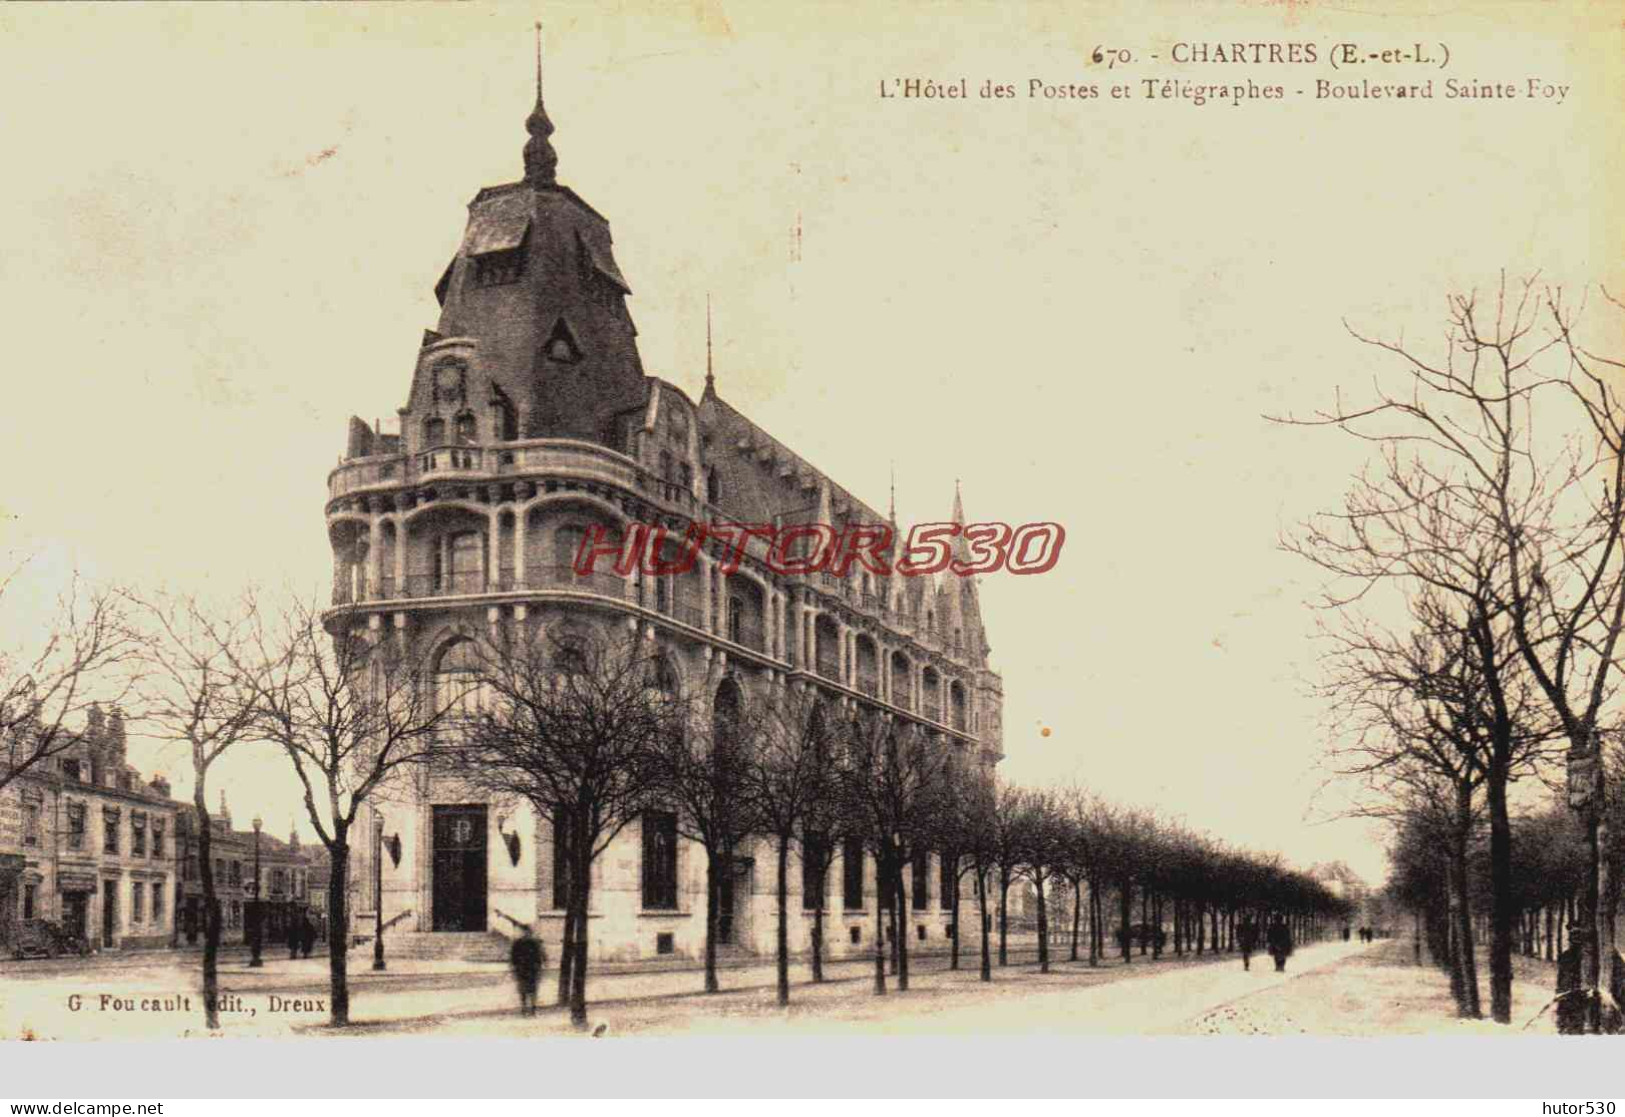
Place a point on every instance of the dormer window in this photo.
(70, 768)
(496, 269)
(560, 346)
(466, 431)
(434, 433)
(499, 256)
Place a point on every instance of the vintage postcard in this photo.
(954, 520)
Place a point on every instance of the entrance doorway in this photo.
(109, 911)
(75, 914)
(459, 868)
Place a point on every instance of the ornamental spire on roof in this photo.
(541, 161)
(710, 377)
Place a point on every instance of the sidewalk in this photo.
(1382, 992)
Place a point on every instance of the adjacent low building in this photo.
(86, 843)
(285, 873)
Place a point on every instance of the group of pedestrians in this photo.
(1277, 941)
(301, 936)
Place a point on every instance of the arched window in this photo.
(505, 421)
(725, 712)
(434, 432)
(466, 429)
(457, 678)
(459, 563)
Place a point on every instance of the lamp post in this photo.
(378, 894)
(255, 960)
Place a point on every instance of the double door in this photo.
(459, 882)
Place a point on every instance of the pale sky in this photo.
(222, 228)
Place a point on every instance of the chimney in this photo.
(116, 741)
(160, 786)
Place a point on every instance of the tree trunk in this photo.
(1043, 924)
(953, 953)
(1145, 916)
(880, 936)
(1465, 968)
(567, 949)
(338, 938)
(1004, 916)
(904, 908)
(1156, 923)
(581, 900)
(1125, 894)
(784, 920)
(984, 922)
(1095, 929)
(1501, 901)
(818, 924)
(713, 896)
(1077, 916)
(211, 914)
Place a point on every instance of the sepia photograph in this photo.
(784, 536)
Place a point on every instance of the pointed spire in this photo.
(710, 376)
(891, 509)
(961, 548)
(541, 161)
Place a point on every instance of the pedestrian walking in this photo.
(1247, 939)
(526, 959)
(1280, 943)
(307, 935)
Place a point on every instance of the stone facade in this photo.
(286, 878)
(528, 420)
(90, 845)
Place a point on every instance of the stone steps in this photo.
(467, 946)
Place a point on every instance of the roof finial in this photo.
(891, 513)
(540, 159)
(710, 377)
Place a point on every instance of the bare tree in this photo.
(1517, 521)
(962, 833)
(792, 789)
(1425, 710)
(1042, 849)
(193, 691)
(707, 774)
(571, 724)
(350, 708)
(893, 780)
(79, 662)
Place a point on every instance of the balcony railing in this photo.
(555, 456)
(464, 582)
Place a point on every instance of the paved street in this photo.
(1328, 989)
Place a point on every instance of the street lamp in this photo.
(378, 893)
(259, 906)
